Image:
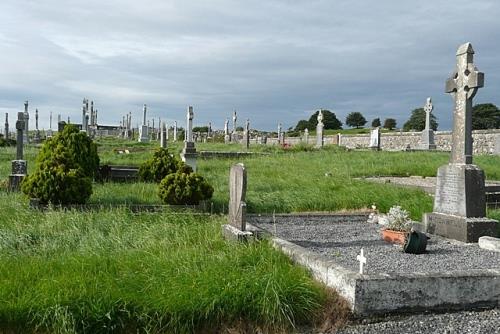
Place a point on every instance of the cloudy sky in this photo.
(272, 61)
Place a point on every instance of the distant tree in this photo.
(329, 120)
(485, 116)
(389, 123)
(417, 121)
(355, 119)
(239, 128)
(302, 125)
(200, 129)
(376, 122)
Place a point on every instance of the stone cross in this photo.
(463, 85)
(237, 193)
(175, 130)
(234, 121)
(362, 261)
(428, 109)
(226, 127)
(26, 123)
(36, 119)
(189, 124)
(20, 126)
(319, 130)
(85, 105)
(6, 126)
(209, 129)
(144, 110)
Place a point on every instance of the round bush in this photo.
(161, 165)
(64, 170)
(184, 189)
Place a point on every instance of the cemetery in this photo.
(173, 229)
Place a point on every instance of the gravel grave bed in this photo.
(341, 238)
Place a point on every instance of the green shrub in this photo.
(158, 167)
(184, 189)
(65, 168)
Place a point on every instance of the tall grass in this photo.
(113, 271)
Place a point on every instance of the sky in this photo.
(271, 61)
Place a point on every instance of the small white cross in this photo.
(362, 261)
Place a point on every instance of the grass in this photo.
(113, 271)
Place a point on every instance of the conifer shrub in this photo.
(184, 188)
(159, 166)
(64, 170)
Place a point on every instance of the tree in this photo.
(485, 116)
(389, 123)
(376, 123)
(417, 121)
(329, 120)
(355, 119)
(200, 129)
(302, 125)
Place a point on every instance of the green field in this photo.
(110, 270)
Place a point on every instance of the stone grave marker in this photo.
(19, 166)
(26, 123)
(319, 130)
(49, 131)
(37, 138)
(279, 134)
(306, 135)
(175, 131)
(236, 227)
(144, 129)
(6, 131)
(163, 135)
(246, 137)
(375, 139)
(460, 201)
(427, 136)
(188, 154)
(227, 137)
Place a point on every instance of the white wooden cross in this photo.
(362, 261)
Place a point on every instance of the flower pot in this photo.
(416, 243)
(394, 237)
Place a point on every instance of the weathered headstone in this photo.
(49, 131)
(26, 123)
(246, 136)
(460, 201)
(19, 166)
(236, 227)
(279, 133)
(227, 137)
(143, 131)
(188, 154)
(235, 118)
(163, 135)
(85, 106)
(306, 135)
(175, 131)
(6, 131)
(319, 130)
(36, 138)
(375, 139)
(427, 137)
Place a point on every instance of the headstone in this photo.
(319, 130)
(460, 200)
(427, 137)
(6, 131)
(36, 139)
(375, 139)
(188, 154)
(26, 123)
(236, 227)
(19, 166)
(234, 122)
(160, 129)
(362, 261)
(209, 134)
(49, 131)
(175, 130)
(246, 137)
(227, 137)
(85, 106)
(306, 135)
(163, 135)
(279, 134)
(144, 129)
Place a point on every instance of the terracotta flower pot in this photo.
(394, 237)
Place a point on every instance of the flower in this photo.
(398, 219)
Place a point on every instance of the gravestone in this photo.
(460, 202)
(19, 166)
(49, 131)
(306, 135)
(235, 118)
(427, 136)
(175, 131)
(375, 139)
(37, 138)
(85, 106)
(188, 154)
(246, 136)
(319, 130)
(163, 135)
(26, 123)
(227, 137)
(6, 131)
(279, 134)
(236, 227)
(144, 129)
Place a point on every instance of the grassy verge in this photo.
(112, 271)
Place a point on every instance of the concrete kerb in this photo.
(371, 294)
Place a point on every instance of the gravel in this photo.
(341, 238)
(469, 322)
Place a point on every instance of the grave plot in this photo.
(451, 274)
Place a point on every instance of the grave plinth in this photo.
(143, 134)
(189, 155)
(19, 172)
(460, 199)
